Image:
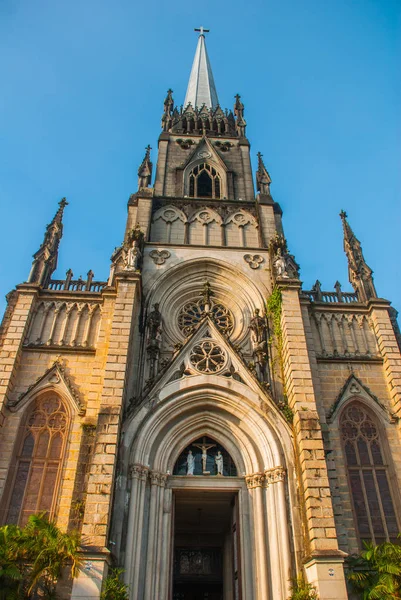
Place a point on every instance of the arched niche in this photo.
(205, 456)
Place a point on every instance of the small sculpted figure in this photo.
(190, 463)
(218, 459)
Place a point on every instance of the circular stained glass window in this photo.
(207, 357)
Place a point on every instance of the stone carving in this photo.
(192, 313)
(190, 463)
(207, 357)
(132, 255)
(263, 180)
(258, 328)
(204, 447)
(283, 263)
(253, 260)
(154, 325)
(159, 257)
(218, 459)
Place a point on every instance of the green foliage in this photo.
(114, 588)
(302, 590)
(274, 306)
(376, 572)
(33, 558)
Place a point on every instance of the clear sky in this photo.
(82, 90)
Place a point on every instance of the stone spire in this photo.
(201, 88)
(263, 180)
(145, 170)
(359, 273)
(45, 259)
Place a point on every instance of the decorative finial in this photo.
(145, 170)
(343, 215)
(202, 31)
(263, 180)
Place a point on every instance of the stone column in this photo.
(139, 475)
(278, 525)
(389, 350)
(166, 545)
(320, 538)
(255, 483)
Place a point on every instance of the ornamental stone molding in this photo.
(159, 257)
(253, 260)
(265, 479)
(139, 472)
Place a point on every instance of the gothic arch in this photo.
(219, 167)
(168, 225)
(39, 456)
(370, 472)
(184, 282)
(261, 447)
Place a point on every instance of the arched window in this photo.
(204, 182)
(39, 460)
(368, 476)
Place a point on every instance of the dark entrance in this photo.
(205, 546)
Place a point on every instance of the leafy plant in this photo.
(32, 558)
(302, 590)
(376, 572)
(114, 588)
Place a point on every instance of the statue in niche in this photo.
(218, 459)
(133, 249)
(280, 264)
(190, 463)
(204, 447)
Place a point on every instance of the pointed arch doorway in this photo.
(206, 530)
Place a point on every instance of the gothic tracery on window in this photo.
(192, 313)
(39, 460)
(368, 476)
(204, 182)
(207, 357)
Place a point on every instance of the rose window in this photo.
(207, 357)
(192, 313)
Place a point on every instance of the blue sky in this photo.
(83, 84)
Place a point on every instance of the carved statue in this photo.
(280, 264)
(154, 323)
(218, 459)
(204, 447)
(190, 463)
(258, 328)
(133, 249)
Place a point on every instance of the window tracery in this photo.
(193, 312)
(39, 460)
(207, 357)
(368, 476)
(204, 182)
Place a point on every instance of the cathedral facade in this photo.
(205, 422)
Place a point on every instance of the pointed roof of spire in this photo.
(359, 273)
(201, 87)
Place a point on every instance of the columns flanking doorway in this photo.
(208, 535)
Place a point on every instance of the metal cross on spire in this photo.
(201, 87)
(202, 30)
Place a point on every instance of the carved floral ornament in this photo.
(159, 257)
(265, 479)
(207, 357)
(253, 260)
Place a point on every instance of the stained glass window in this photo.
(39, 460)
(368, 476)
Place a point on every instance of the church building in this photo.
(206, 423)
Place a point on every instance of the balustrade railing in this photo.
(316, 294)
(76, 285)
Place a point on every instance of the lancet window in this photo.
(204, 182)
(39, 460)
(368, 475)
